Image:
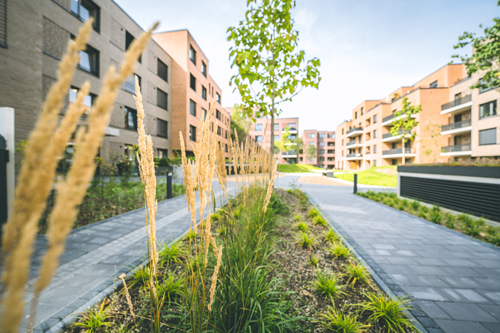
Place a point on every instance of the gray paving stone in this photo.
(466, 311)
(458, 326)
(431, 262)
(464, 295)
(397, 269)
(432, 309)
(424, 293)
(492, 309)
(493, 327)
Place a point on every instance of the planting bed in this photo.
(462, 223)
(294, 294)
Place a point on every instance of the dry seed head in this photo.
(127, 295)
(214, 278)
(270, 187)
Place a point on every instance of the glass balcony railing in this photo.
(455, 125)
(353, 142)
(397, 151)
(457, 102)
(354, 155)
(354, 130)
(389, 135)
(456, 148)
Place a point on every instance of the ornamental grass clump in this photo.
(304, 240)
(335, 320)
(357, 274)
(302, 226)
(435, 216)
(327, 284)
(339, 250)
(319, 220)
(313, 212)
(45, 145)
(331, 237)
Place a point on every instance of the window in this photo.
(311, 159)
(375, 119)
(331, 151)
(321, 159)
(128, 40)
(218, 97)
(276, 127)
(488, 109)
(192, 108)
(292, 137)
(433, 84)
(258, 127)
(484, 89)
(162, 153)
(218, 114)
(161, 99)
(332, 136)
(321, 144)
(362, 109)
(85, 9)
(130, 118)
(225, 133)
(374, 163)
(342, 131)
(488, 137)
(356, 115)
(322, 135)
(331, 144)
(203, 111)
(276, 138)
(225, 149)
(192, 54)
(312, 143)
(342, 142)
(204, 93)
(192, 133)
(192, 82)
(162, 128)
(374, 149)
(219, 130)
(162, 70)
(89, 60)
(88, 101)
(342, 153)
(312, 135)
(458, 96)
(204, 68)
(321, 151)
(130, 83)
(292, 126)
(374, 134)
(258, 138)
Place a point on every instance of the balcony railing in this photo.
(389, 135)
(354, 130)
(455, 125)
(353, 142)
(455, 148)
(456, 102)
(289, 153)
(396, 151)
(354, 155)
(388, 118)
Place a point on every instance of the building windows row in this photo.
(89, 60)
(192, 82)
(488, 137)
(162, 70)
(488, 109)
(162, 128)
(161, 99)
(88, 101)
(85, 9)
(312, 135)
(192, 54)
(128, 41)
(129, 84)
(130, 118)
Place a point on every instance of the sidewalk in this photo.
(454, 279)
(96, 255)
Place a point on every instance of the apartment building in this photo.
(324, 141)
(193, 90)
(366, 140)
(472, 125)
(261, 133)
(34, 37)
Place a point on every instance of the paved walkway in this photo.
(96, 255)
(454, 279)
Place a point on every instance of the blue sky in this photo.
(367, 48)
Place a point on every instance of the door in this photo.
(353, 165)
(457, 140)
(457, 118)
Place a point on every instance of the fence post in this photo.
(355, 183)
(169, 184)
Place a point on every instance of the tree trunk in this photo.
(404, 148)
(272, 136)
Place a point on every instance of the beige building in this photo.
(194, 91)
(472, 127)
(324, 141)
(261, 133)
(366, 140)
(32, 42)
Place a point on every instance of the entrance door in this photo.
(457, 140)
(353, 165)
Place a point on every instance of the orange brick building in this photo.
(324, 141)
(366, 141)
(193, 91)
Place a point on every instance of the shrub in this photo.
(339, 250)
(357, 273)
(401, 206)
(424, 209)
(95, 318)
(388, 311)
(472, 229)
(170, 288)
(450, 221)
(392, 195)
(174, 253)
(215, 217)
(190, 235)
(422, 215)
(436, 209)
(302, 226)
(319, 220)
(466, 219)
(141, 275)
(415, 205)
(339, 321)
(490, 230)
(297, 217)
(327, 284)
(436, 217)
(331, 236)
(495, 240)
(221, 231)
(313, 212)
(405, 202)
(313, 261)
(304, 241)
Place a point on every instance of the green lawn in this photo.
(297, 168)
(381, 176)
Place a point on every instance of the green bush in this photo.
(388, 311)
(319, 220)
(436, 217)
(304, 241)
(339, 250)
(415, 205)
(339, 321)
(313, 212)
(327, 284)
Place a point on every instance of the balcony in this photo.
(457, 127)
(457, 105)
(456, 150)
(354, 144)
(291, 130)
(354, 156)
(388, 137)
(389, 119)
(289, 154)
(354, 131)
(398, 152)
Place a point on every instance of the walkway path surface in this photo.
(454, 279)
(96, 255)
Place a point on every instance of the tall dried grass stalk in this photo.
(270, 186)
(70, 193)
(145, 159)
(127, 295)
(215, 278)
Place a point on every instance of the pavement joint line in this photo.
(380, 282)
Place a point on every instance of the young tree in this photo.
(239, 123)
(270, 69)
(311, 152)
(486, 50)
(404, 123)
(286, 144)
